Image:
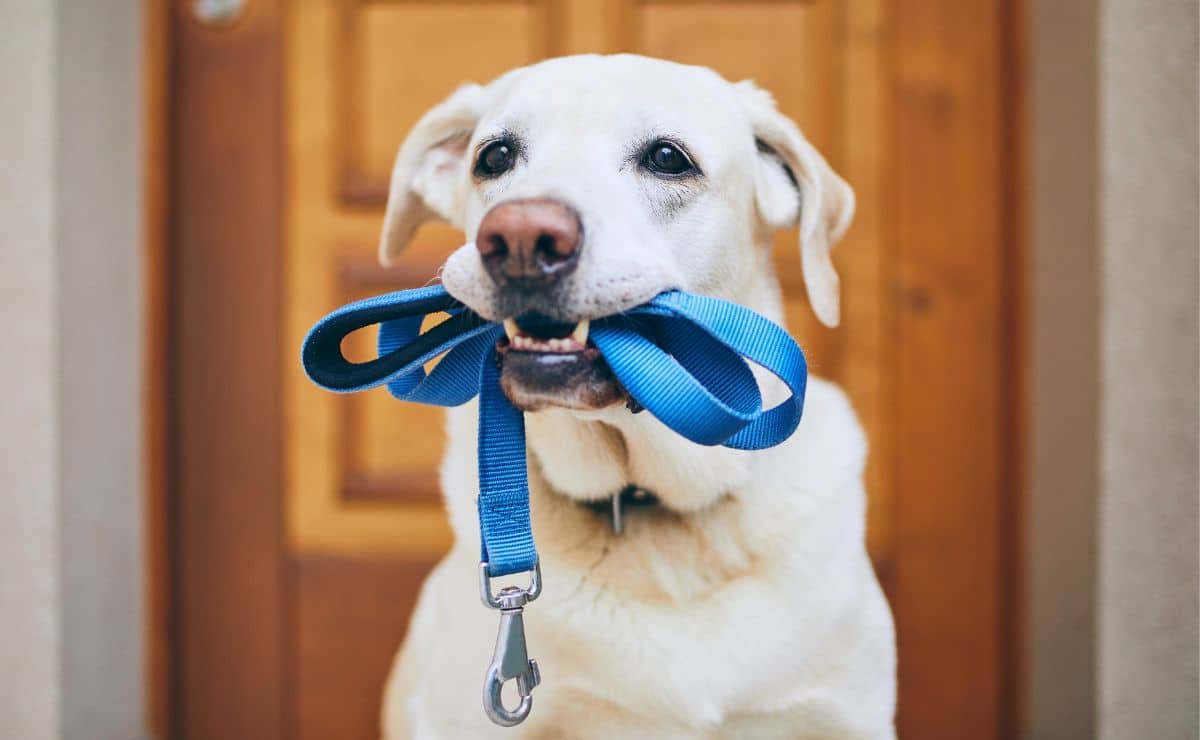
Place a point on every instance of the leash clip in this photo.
(511, 659)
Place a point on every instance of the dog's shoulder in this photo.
(813, 483)
(830, 436)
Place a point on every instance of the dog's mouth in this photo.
(551, 363)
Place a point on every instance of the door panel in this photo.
(357, 496)
(385, 85)
(362, 486)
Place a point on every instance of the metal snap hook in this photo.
(511, 659)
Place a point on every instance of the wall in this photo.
(1112, 547)
(70, 524)
(1147, 576)
(29, 594)
(99, 290)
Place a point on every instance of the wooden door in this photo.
(306, 521)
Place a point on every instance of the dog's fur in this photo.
(743, 607)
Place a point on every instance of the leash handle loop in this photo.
(406, 349)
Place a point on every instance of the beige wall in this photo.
(70, 524)
(99, 332)
(29, 582)
(1147, 577)
(1112, 513)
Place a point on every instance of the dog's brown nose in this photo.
(529, 242)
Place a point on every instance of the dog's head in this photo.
(587, 185)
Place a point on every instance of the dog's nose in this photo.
(529, 242)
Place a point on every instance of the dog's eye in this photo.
(495, 159)
(664, 158)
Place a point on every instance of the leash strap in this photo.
(680, 356)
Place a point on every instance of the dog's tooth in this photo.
(581, 331)
(520, 342)
(556, 345)
(511, 328)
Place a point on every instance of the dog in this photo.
(741, 603)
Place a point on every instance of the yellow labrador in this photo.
(741, 603)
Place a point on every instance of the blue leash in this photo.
(680, 356)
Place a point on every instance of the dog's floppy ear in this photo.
(794, 184)
(424, 185)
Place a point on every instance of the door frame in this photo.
(213, 101)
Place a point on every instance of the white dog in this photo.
(742, 604)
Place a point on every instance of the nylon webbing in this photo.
(681, 356)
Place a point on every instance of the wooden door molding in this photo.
(955, 243)
(1013, 143)
(223, 402)
(155, 129)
